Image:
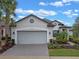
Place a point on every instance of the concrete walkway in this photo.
(27, 50)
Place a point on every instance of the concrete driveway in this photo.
(27, 50)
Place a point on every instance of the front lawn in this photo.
(63, 52)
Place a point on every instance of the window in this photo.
(31, 21)
(55, 32)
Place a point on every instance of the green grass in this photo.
(63, 52)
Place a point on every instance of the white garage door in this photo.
(29, 37)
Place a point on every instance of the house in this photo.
(34, 30)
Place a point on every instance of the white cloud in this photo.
(74, 14)
(29, 11)
(70, 13)
(21, 16)
(42, 3)
(41, 12)
(19, 10)
(66, 1)
(57, 3)
(76, 10)
(68, 4)
(22, 11)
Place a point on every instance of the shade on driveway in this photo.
(27, 50)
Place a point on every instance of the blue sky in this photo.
(62, 10)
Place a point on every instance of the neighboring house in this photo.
(34, 30)
(2, 29)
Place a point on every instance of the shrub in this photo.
(76, 46)
(9, 38)
(3, 38)
(53, 46)
(50, 46)
(61, 37)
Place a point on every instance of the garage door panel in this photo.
(25, 37)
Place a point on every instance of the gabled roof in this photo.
(45, 20)
(58, 22)
(50, 23)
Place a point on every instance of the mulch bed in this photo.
(6, 47)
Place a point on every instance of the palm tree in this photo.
(8, 7)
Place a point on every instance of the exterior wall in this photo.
(13, 33)
(50, 33)
(25, 25)
(56, 27)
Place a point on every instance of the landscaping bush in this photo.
(3, 38)
(53, 46)
(76, 46)
(54, 42)
(71, 38)
(60, 46)
(74, 39)
(61, 37)
(9, 38)
(67, 46)
(50, 46)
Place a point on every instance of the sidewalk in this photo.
(36, 57)
(63, 57)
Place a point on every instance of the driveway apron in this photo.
(27, 50)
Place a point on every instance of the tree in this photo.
(7, 8)
(76, 28)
